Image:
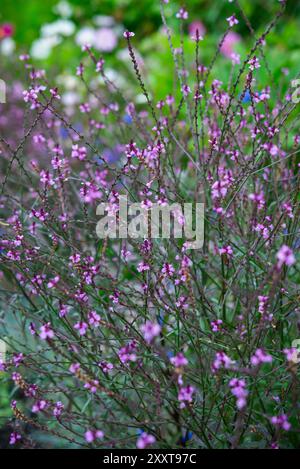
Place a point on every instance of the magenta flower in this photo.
(232, 20)
(238, 389)
(291, 354)
(81, 327)
(53, 281)
(195, 26)
(79, 152)
(216, 325)
(179, 360)
(186, 90)
(221, 361)
(230, 41)
(150, 330)
(92, 435)
(285, 256)
(185, 395)
(46, 331)
(145, 440)
(254, 63)
(182, 14)
(143, 267)
(127, 354)
(128, 34)
(226, 250)
(14, 438)
(74, 367)
(93, 319)
(260, 357)
(58, 408)
(168, 270)
(6, 30)
(39, 406)
(281, 421)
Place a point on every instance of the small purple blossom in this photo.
(150, 330)
(145, 440)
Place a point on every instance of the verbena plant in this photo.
(142, 342)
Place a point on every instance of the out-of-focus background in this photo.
(53, 32)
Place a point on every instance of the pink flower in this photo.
(285, 256)
(14, 438)
(74, 367)
(235, 58)
(226, 250)
(291, 354)
(168, 270)
(92, 386)
(105, 39)
(78, 152)
(254, 63)
(46, 331)
(94, 319)
(260, 357)
(105, 366)
(91, 435)
(195, 26)
(145, 440)
(127, 353)
(81, 327)
(221, 361)
(186, 90)
(58, 408)
(179, 360)
(230, 41)
(185, 395)
(143, 267)
(182, 14)
(53, 281)
(281, 421)
(39, 406)
(99, 65)
(232, 20)
(150, 330)
(238, 389)
(6, 30)
(216, 325)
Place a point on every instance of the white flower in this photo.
(63, 9)
(41, 48)
(105, 40)
(60, 27)
(85, 36)
(7, 46)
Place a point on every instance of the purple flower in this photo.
(182, 14)
(92, 435)
(46, 332)
(150, 330)
(285, 256)
(128, 34)
(179, 360)
(58, 408)
(81, 327)
(145, 440)
(281, 421)
(14, 438)
(185, 395)
(260, 357)
(232, 20)
(238, 389)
